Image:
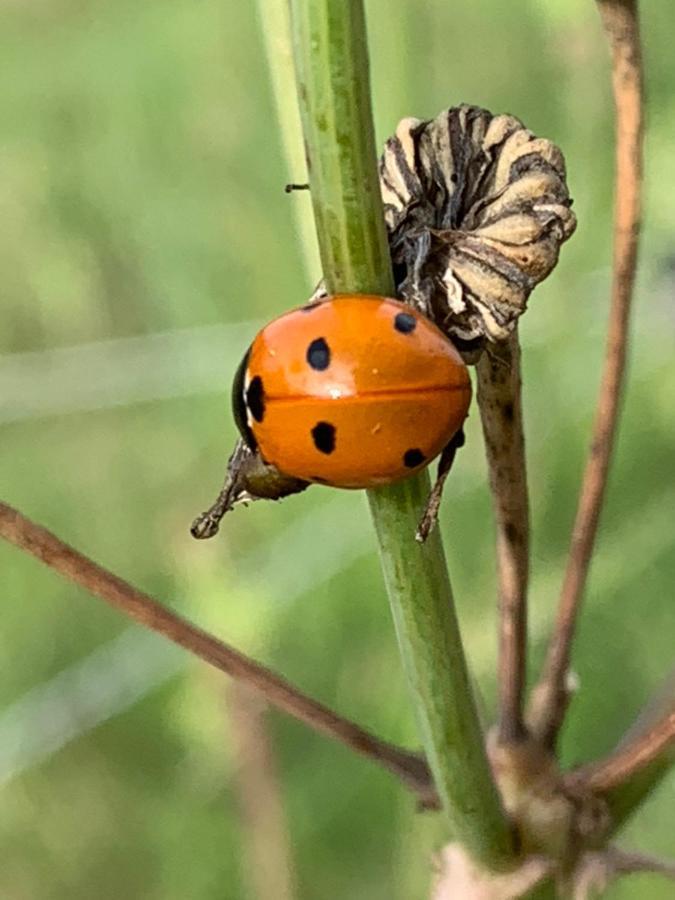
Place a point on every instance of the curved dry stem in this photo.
(499, 400)
(640, 760)
(620, 18)
(628, 759)
(627, 796)
(268, 870)
(597, 870)
(68, 562)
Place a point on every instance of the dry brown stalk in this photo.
(597, 870)
(499, 399)
(267, 866)
(628, 759)
(659, 705)
(410, 768)
(629, 794)
(620, 19)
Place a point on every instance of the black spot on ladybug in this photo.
(405, 323)
(318, 354)
(255, 398)
(323, 435)
(413, 458)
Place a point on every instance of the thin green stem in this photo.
(333, 83)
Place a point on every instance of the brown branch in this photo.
(659, 706)
(267, 858)
(596, 870)
(645, 755)
(499, 399)
(626, 797)
(620, 18)
(628, 759)
(45, 546)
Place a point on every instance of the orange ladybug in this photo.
(352, 391)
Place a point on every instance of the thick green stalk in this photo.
(331, 56)
(421, 599)
(333, 83)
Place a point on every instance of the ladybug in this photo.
(353, 391)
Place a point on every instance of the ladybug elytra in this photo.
(353, 391)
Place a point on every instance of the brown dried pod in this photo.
(477, 208)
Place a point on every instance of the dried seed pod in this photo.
(477, 208)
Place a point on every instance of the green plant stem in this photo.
(333, 84)
(332, 66)
(420, 594)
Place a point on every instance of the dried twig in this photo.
(596, 871)
(620, 18)
(499, 399)
(628, 759)
(45, 546)
(267, 866)
(659, 706)
(627, 796)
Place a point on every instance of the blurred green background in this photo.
(145, 233)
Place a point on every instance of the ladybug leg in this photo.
(207, 523)
(430, 515)
(248, 478)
